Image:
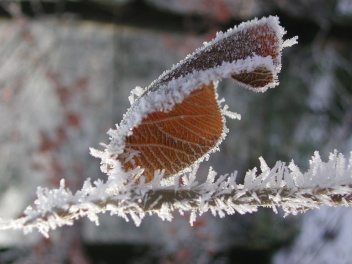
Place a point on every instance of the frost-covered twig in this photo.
(325, 183)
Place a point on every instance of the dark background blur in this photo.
(66, 70)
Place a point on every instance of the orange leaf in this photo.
(176, 121)
(174, 140)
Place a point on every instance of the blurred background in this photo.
(66, 70)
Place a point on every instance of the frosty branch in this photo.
(173, 125)
(325, 183)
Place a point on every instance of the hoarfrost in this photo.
(290, 42)
(324, 183)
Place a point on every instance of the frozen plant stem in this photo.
(325, 183)
(155, 199)
(265, 198)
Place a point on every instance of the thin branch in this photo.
(283, 186)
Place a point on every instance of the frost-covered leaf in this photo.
(177, 121)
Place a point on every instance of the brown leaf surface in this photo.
(257, 78)
(174, 140)
(258, 39)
